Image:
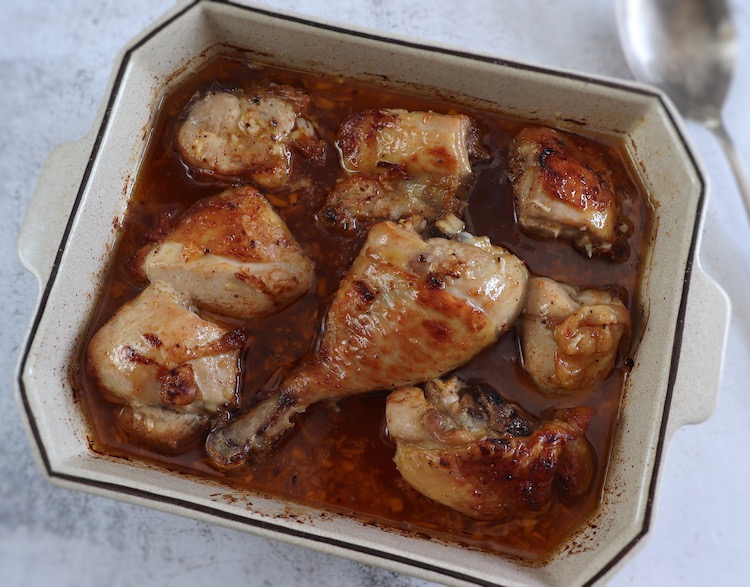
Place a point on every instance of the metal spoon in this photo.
(687, 48)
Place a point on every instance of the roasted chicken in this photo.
(398, 164)
(563, 188)
(171, 370)
(570, 337)
(231, 255)
(239, 134)
(408, 310)
(465, 447)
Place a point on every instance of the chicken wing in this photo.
(467, 448)
(232, 255)
(235, 134)
(399, 164)
(570, 338)
(564, 189)
(171, 369)
(408, 310)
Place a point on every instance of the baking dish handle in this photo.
(702, 353)
(50, 207)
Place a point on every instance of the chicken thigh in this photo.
(399, 164)
(408, 310)
(235, 134)
(570, 338)
(467, 448)
(232, 255)
(171, 370)
(564, 189)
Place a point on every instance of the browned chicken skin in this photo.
(229, 255)
(232, 255)
(564, 189)
(467, 448)
(409, 310)
(398, 164)
(238, 134)
(171, 370)
(570, 337)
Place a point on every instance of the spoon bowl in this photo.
(688, 49)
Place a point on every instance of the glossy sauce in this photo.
(337, 457)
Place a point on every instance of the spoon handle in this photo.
(739, 171)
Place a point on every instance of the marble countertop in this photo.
(55, 64)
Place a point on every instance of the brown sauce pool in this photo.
(337, 457)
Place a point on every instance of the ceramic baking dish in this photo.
(73, 221)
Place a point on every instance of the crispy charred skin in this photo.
(466, 447)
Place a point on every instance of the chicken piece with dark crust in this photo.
(408, 310)
(466, 447)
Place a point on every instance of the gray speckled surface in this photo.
(54, 66)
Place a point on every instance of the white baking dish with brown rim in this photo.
(73, 221)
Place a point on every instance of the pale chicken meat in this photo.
(246, 133)
(398, 164)
(564, 189)
(408, 310)
(171, 370)
(570, 337)
(231, 255)
(466, 447)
